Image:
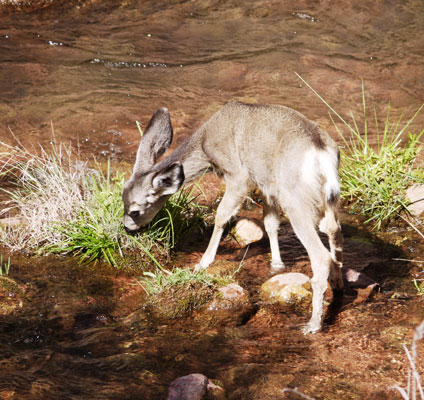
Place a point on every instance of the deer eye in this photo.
(134, 214)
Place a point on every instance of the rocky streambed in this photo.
(76, 332)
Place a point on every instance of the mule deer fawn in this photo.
(273, 148)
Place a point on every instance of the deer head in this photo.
(151, 182)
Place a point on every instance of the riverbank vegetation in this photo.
(64, 206)
(377, 170)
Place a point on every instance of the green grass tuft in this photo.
(374, 178)
(66, 207)
(162, 280)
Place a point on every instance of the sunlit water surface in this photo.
(89, 70)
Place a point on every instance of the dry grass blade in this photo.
(414, 386)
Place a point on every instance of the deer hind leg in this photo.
(303, 223)
(234, 195)
(272, 223)
(331, 226)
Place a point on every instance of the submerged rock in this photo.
(194, 387)
(178, 301)
(189, 387)
(11, 295)
(247, 230)
(286, 289)
(230, 305)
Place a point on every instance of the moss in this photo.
(178, 301)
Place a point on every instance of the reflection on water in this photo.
(91, 67)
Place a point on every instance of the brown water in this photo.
(77, 332)
(90, 69)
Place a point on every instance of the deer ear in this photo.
(169, 180)
(155, 141)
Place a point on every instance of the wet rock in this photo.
(358, 280)
(11, 296)
(247, 230)
(288, 288)
(189, 387)
(230, 305)
(415, 194)
(364, 285)
(233, 291)
(229, 297)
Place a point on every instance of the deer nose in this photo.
(134, 214)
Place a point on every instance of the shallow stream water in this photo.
(89, 69)
(85, 71)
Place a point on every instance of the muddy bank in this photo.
(78, 332)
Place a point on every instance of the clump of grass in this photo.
(47, 189)
(162, 280)
(177, 293)
(67, 207)
(95, 231)
(374, 178)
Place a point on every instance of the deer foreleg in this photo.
(229, 206)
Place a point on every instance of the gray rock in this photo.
(189, 387)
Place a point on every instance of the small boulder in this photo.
(189, 387)
(247, 230)
(229, 296)
(230, 306)
(415, 194)
(286, 289)
(232, 291)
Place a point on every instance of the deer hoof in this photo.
(311, 328)
(199, 267)
(277, 266)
